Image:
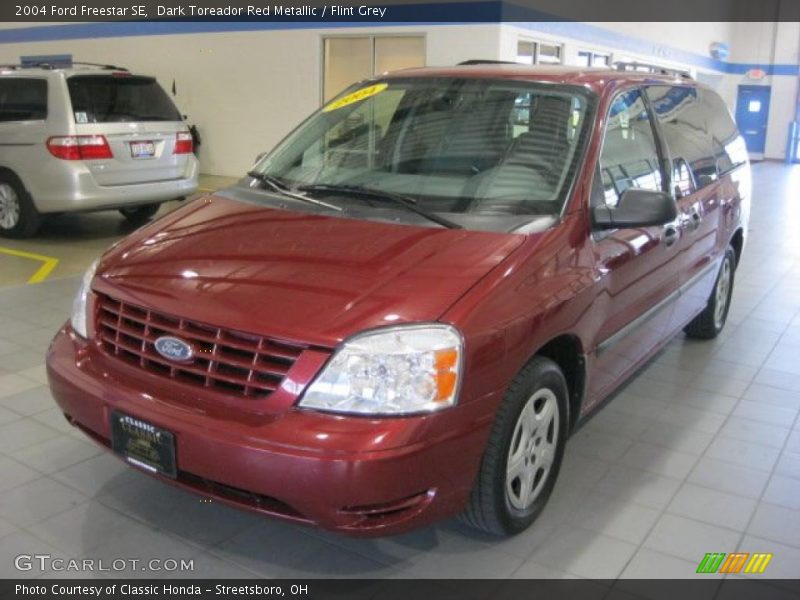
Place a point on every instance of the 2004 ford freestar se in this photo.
(403, 310)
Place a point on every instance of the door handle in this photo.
(670, 235)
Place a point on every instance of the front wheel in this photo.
(523, 456)
(709, 323)
(140, 214)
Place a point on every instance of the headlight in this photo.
(78, 319)
(402, 370)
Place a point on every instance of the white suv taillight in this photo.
(183, 143)
(79, 147)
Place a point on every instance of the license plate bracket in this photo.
(143, 445)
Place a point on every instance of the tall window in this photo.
(538, 53)
(587, 58)
(347, 60)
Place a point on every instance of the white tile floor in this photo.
(700, 453)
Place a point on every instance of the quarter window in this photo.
(630, 157)
(23, 99)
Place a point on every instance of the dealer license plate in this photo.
(143, 445)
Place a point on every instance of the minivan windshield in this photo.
(488, 154)
(119, 98)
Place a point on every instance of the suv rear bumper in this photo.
(239, 459)
(71, 187)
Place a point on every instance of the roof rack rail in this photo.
(99, 65)
(52, 66)
(482, 61)
(650, 68)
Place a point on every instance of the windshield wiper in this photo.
(405, 201)
(277, 186)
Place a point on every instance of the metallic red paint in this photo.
(318, 279)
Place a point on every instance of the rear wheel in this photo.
(18, 216)
(523, 455)
(140, 214)
(709, 323)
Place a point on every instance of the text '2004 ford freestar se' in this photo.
(405, 308)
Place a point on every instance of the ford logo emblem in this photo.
(173, 348)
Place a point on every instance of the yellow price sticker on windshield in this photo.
(356, 96)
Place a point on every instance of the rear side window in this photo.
(700, 135)
(114, 99)
(727, 145)
(630, 156)
(23, 99)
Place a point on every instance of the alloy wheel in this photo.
(722, 293)
(9, 207)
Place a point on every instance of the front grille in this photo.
(226, 361)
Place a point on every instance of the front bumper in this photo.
(354, 475)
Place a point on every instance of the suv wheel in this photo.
(709, 323)
(18, 216)
(140, 214)
(523, 455)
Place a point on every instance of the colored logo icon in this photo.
(736, 562)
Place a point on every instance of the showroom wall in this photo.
(239, 87)
(771, 44)
(244, 95)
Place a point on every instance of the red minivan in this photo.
(405, 308)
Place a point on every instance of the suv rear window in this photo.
(23, 99)
(113, 99)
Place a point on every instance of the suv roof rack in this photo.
(651, 68)
(482, 61)
(52, 66)
(99, 66)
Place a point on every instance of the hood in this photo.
(304, 277)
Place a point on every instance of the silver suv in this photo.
(84, 138)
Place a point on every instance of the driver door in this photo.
(637, 268)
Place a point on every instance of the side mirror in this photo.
(636, 208)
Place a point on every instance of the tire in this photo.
(709, 323)
(18, 215)
(498, 504)
(140, 214)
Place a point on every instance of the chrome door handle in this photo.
(670, 235)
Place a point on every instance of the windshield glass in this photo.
(472, 149)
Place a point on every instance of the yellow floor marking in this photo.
(43, 271)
